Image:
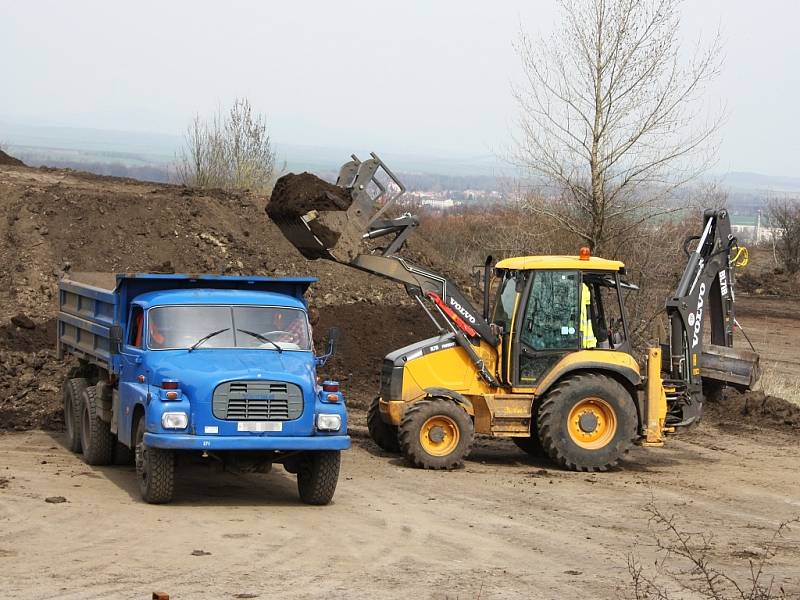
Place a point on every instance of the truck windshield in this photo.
(265, 327)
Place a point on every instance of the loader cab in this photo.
(547, 307)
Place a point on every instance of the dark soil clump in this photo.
(294, 195)
(755, 408)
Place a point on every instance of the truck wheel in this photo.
(587, 423)
(382, 433)
(436, 433)
(155, 470)
(317, 477)
(73, 392)
(97, 440)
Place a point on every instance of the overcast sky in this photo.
(412, 76)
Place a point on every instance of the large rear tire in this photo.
(317, 477)
(97, 440)
(436, 433)
(587, 422)
(72, 392)
(382, 433)
(155, 469)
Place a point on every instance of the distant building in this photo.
(752, 229)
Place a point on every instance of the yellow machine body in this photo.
(439, 367)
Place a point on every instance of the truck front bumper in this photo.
(180, 441)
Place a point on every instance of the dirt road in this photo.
(505, 526)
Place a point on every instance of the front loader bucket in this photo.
(330, 221)
(734, 367)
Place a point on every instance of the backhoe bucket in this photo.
(734, 367)
(326, 221)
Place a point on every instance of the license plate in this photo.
(259, 426)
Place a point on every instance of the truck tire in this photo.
(317, 477)
(436, 433)
(155, 470)
(97, 440)
(73, 392)
(382, 433)
(587, 422)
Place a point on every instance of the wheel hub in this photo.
(439, 435)
(436, 435)
(592, 423)
(588, 422)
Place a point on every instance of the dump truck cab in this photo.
(218, 367)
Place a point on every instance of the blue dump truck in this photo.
(219, 367)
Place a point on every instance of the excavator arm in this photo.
(705, 292)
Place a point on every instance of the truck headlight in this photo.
(174, 420)
(329, 422)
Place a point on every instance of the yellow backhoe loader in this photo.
(549, 363)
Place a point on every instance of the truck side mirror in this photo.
(330, 346)
(115, 334)
(333, 338)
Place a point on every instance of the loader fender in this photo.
(617, 363)
(454, 396)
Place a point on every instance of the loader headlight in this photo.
(329, 422)
(174, 420)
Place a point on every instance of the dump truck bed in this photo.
(89, 303)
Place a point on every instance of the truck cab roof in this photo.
(217, 296)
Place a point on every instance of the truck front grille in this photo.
(257, 401)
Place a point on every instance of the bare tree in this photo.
(608, 116)
(784, 218)
(231, 150)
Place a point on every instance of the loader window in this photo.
(551, 320)
(506, 297)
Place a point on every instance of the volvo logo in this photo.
(462, 311)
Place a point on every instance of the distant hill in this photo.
(740, 181)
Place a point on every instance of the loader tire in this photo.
(97, 440)
(587, 423)
(317, 477)
(73, 392)
(436, 433)
(382, 433)
(155, 469)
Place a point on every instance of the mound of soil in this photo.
(57, 220)
(770, 283)
(755, 408)
(10, 161)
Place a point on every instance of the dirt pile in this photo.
(58, 220)
(10, 161)
(770, 283)
(755, 408)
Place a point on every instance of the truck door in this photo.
(547, 326)
(133, 378)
